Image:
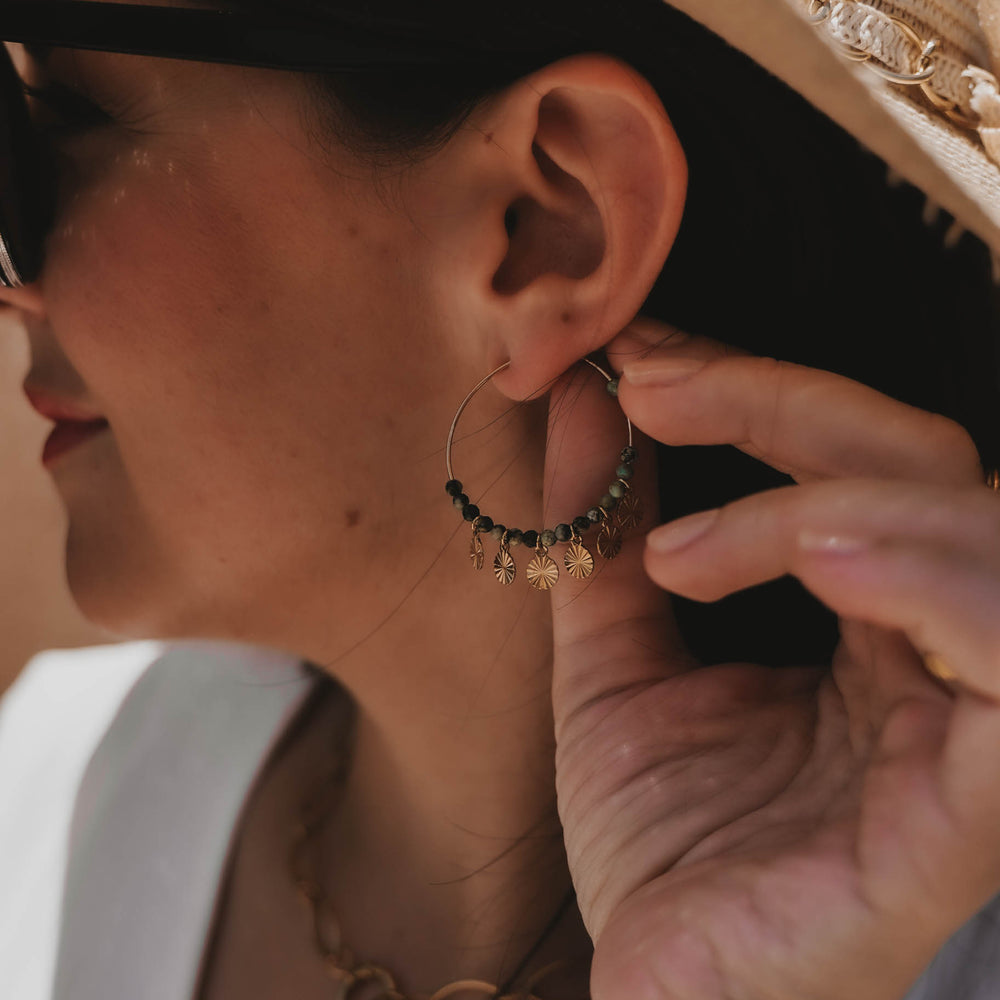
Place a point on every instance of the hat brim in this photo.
(948, 164)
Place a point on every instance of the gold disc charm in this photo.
(504, 567)
(578, 560)
(609, 541)
(629, 511)
(542, 572)
(476, 553)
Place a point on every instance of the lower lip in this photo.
(68, 435)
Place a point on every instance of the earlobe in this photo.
(601, 182)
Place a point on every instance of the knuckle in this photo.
(952, 447)
(762, 423)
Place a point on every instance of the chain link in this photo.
(923, 63)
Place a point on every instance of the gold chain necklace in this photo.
(357, 980)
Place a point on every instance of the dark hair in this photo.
(793, 242)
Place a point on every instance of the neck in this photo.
(445, 853)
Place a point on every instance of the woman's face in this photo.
(256, 320)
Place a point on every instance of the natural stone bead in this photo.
(624, 471)
(608, 502)
(486, 525)
(563, 532)
(612, 387)
(581, 524)
(470, 512)
(628, 455)
(514, 537)
(530, 539)
(497, 531)
(594, 515)
(453, 487)
(461, 501)
(617, 490)
(548, 538)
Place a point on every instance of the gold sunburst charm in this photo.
(629, 511)
(609, 541)
(504, 567)
(542, 572)
(578, 560)
(476, 553)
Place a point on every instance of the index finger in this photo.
(808, 423)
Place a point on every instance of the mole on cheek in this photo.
(353, 518)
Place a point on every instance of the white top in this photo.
(123, 773)
(112, 897)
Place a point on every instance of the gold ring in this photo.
(939, 667)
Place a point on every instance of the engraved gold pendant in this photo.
(504, 568)
(609, 541)
(542, 571)
(476, 553)
(578, 560)
(630, 512)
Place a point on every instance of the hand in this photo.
(740, 831)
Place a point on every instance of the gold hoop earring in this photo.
(618, 510)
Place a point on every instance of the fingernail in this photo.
(661, 371)
(819, 541)
(677, 534)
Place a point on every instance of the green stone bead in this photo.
(617, 490)
(608, 502)
(594, 515)
(624, 471)
(612, 387)
(563, 532)
(548, 538)
(628, 455)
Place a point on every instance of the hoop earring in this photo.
(618, 510)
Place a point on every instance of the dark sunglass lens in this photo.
(25, 184)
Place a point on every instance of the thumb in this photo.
(615, 628)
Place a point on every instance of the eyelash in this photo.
(75, 113)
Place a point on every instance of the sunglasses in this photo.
(202, 35)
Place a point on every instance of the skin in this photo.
(279, 344)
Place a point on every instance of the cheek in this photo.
(237, 365)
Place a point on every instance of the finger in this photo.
(808, 423)
(612, 629)
(921, 559)
(648, 338)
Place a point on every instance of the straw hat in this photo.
(913, 80)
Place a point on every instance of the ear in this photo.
(581, 183)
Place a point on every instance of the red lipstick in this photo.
(68, 434)
(74, 422)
